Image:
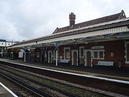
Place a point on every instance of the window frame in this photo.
(98, 54)
(66, 48)
(80, 53)
(126, 61)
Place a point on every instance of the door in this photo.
(49, 56)
(75, 57)
(88, 60)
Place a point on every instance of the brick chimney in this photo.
(72, 19)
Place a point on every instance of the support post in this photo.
(56, 46)
(41, 52)
(56, 57)
(24, 56)
(12, 55)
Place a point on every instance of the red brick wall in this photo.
(115, 47)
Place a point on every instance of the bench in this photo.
(64, 61)
(105, 63)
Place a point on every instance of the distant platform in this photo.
(6, 92)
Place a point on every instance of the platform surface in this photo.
(98, 72)
(6, 92)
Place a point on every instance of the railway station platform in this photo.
(6, 92)
(106, 72)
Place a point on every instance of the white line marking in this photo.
(8, 90)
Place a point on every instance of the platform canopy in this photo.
(102, 29)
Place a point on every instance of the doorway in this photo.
(88, 58)
(49, 56)
(75, 57)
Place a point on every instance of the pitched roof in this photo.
(102, 26)
(92, 22)
(111, 21)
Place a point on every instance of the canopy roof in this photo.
(112, 24)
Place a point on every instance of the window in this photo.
(54, 55)
(66, 53)
(101, 54)
(127, 52)
(81, 51)
(98, 54)
(95, 54)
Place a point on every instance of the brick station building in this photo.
(102, 41)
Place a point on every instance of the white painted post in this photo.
(56, 47)
(56, 57)
(24, 56)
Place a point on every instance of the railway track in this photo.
(37, 88)
(34, 91)
(11, 70)
(109, 88)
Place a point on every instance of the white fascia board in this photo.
(90, 34)
(77, 36)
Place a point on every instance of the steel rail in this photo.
(33, 90)
(38, 83)
(78, 79)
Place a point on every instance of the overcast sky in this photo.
(27, 19)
